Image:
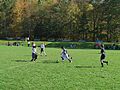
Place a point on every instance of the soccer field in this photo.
(84, 73)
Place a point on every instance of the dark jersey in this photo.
(102, 53)
(102, 50)
(102, 56)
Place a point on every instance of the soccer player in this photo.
(102, 58)
(8, 43)
(34, 53)
(28, 39)
(28, 43)
(42, 46)
(65, 55)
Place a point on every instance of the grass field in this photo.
(84, 73)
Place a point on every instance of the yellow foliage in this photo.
(89, 7)
(73, 10)
(23, 9)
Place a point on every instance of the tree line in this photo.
(61, 19)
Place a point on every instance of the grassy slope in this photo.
(85, 73)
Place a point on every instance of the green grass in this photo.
(85, 73)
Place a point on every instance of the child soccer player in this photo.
(34, 53)
(42, 46)
(65, 55)
(102, 58)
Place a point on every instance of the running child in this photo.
(65, 55)
(42, 46)
(102, 58)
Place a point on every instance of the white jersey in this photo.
(28, 39)
(42, 46)
(34, 50)
(34, 44)
(64, 51)
(28, 42)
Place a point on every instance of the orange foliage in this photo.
(22, 9)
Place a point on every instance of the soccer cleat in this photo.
(70, 61)
(35, 59)
(31, 60)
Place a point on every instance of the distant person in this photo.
(28, 43)
(8, 43)
(114, 46)
(98, 43)
(14, 43)
(102, 58)
(42, 51)
(34, 53)
(17, 44)
(28, 39)
(65, 55)
(22, 43)
(71, 45)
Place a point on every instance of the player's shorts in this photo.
(65, 56)
(34, 55)
(102, 58)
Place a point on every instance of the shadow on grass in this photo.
(85, 67)
(27, 55)
(47, 61)
(22, 60)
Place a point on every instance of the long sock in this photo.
(70, 60)
(105, 62)
(102, 64)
